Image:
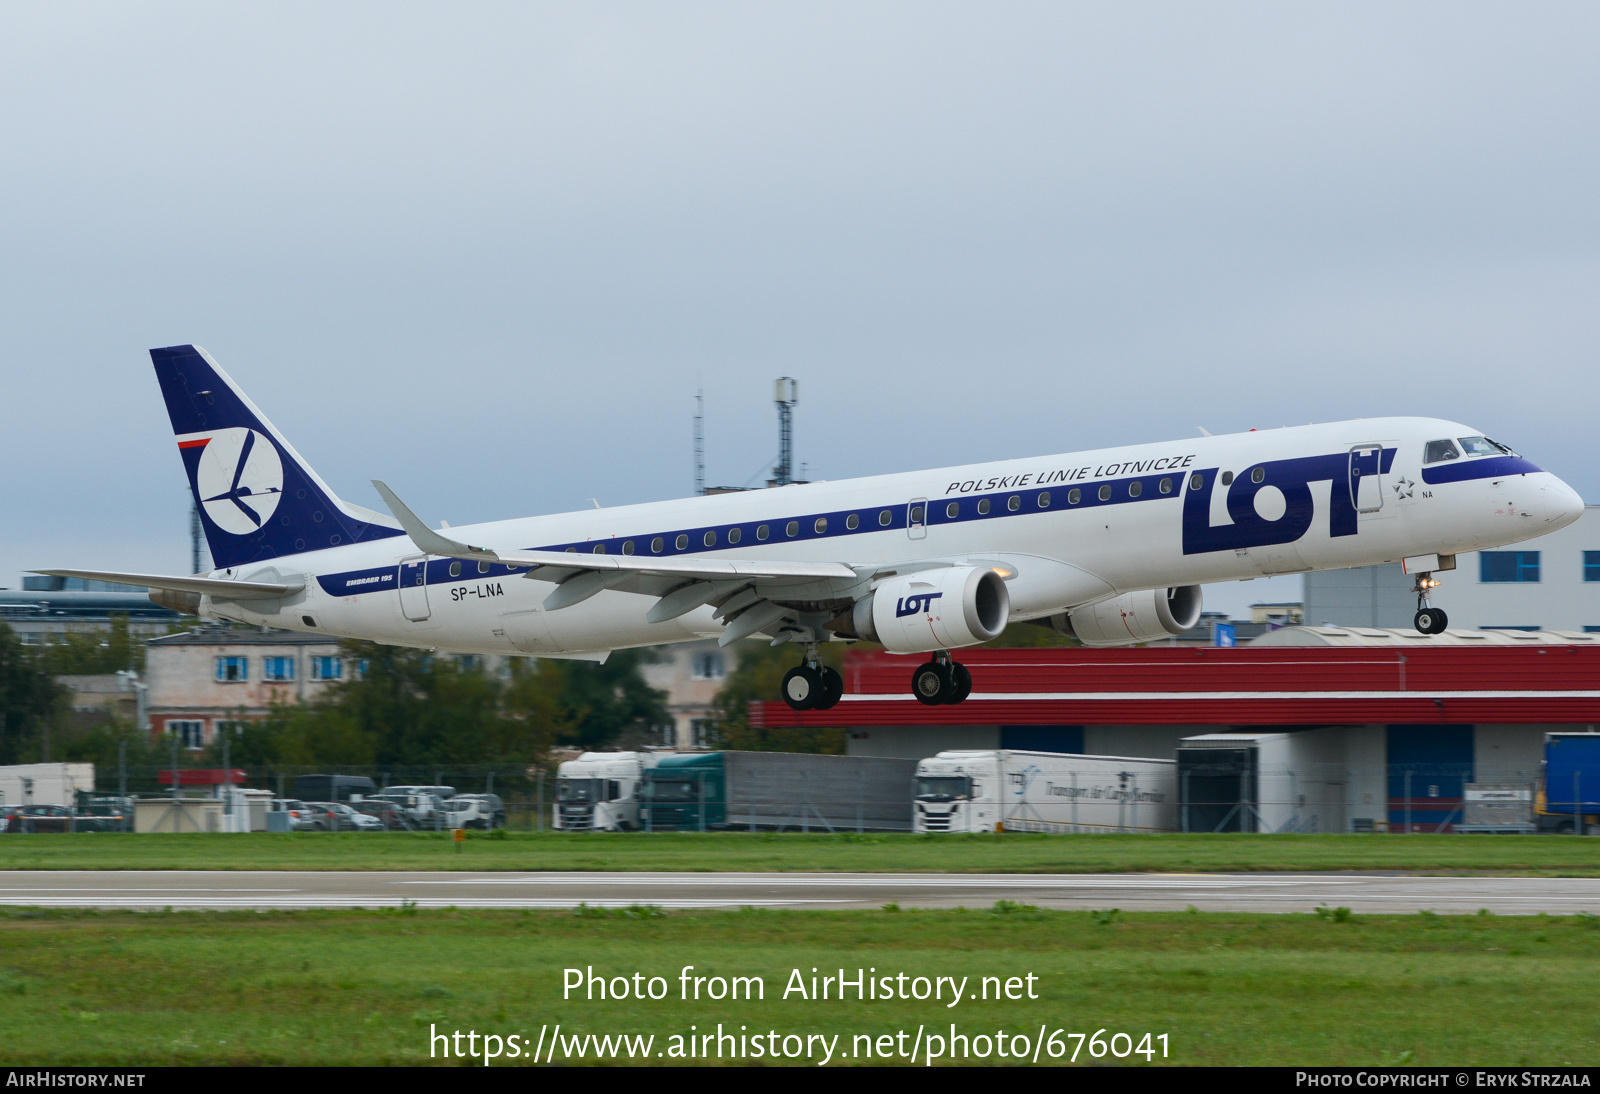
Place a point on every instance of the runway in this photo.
(251, 890)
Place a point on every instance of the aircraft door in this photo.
(1366, 478)
(414, 590)
(917, 518)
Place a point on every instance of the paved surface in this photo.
(1130, 892)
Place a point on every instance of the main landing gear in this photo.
(941, 681)
(1428, 620)
(812, 685)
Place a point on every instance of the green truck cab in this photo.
(685, 792)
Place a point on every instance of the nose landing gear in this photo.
(1428, 620)
(941, 681)
(812, 685)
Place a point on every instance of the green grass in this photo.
(1009, 853)
(364, 987)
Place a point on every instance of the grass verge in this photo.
(724, 851)
(368, 987)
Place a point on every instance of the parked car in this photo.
(339, 817)
(10, 816)
(301, 817)
(475, 811)
(41, 818)
(420, 804)
(392, 815)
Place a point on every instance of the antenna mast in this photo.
(194, 538)
(786, 393)
(700, 442)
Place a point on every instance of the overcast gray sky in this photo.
(488, 251)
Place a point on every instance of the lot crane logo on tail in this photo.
(239, 478)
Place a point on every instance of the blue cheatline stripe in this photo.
(968, 508)
(1492, 467)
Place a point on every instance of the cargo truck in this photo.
(1570, 793)
(778, 790)
(599, 791)
(1006, 790)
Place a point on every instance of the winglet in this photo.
(424, 537)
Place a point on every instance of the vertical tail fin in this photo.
(258, 499)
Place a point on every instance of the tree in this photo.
(29, 699)
(93, 653)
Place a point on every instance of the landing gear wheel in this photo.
(1430, 621)
(802, 687)
(960, 681)
(831, 690)
(931, 684)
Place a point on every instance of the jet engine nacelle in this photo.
(1137, 617)
(935, 610)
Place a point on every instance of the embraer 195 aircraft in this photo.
(1110, 545)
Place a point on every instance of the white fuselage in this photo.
(1178, 513)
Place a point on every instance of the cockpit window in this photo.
(1483, 446)
(1440, 450)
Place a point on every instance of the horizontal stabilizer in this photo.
(206, 586)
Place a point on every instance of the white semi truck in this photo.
(599, 791)
(1044, 792)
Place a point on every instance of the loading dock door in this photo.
(1217, 789)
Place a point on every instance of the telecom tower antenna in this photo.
(786, 393)
(194, 538)
(700, 441)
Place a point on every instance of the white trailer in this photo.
(599, 791)
(1263, 782)
(45, 784)
(1044, 792)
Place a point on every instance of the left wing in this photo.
(780, 598)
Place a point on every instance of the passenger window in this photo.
(455, 569)
(1074, 496)
(952, 510)
(852, 522)
(1227, 478)
(483, 567)
(1105, 492)
(599, 548)
(1014, 503)
(734, 536)
(1479, 446)
(1197, 481)
(792, 528)
(916, 514)
(821, 526)
(572, 550)
(682, 543)
(1166, 486)
(1258, 474)
(761, 533)
(709, 539)
(983, 507)
(884, 518)
(627, 546)
(1135, 488)
(656, 545)
(1044, 499)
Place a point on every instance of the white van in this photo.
(599, 791)
(1044, 792)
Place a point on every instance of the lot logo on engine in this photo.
(916, 602)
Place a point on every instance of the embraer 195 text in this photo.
(1110, 545)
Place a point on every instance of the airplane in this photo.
(1110, 546)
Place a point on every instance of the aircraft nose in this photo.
(1561, 503)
